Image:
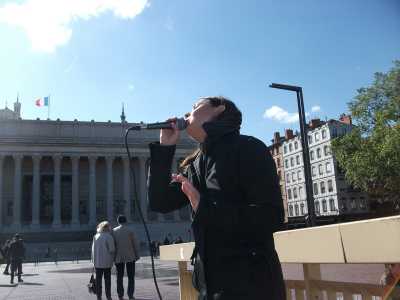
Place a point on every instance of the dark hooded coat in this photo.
(240, 208)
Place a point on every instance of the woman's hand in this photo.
(169, 136)
(190, 191)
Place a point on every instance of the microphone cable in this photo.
(139, 209)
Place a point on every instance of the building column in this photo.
(1, 190)
(17, 190)
(110, 194)
(143, 186)
(75, 192)
(127, 190)
(57, 159)
(92, 190)
(36, 191)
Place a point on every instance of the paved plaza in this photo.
(67, 281)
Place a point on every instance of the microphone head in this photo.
(181, 123)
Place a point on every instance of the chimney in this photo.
(289, 134)
(314, 123)
(277, 137)
(345, 119)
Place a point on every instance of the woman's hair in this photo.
(104, 227)
(231, 115)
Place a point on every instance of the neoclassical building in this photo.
(65, 176)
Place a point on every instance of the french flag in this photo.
(45, 101)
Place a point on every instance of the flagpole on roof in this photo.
(48, 108)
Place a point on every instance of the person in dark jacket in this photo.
(232, 186)
(6, 253)
(17, 255)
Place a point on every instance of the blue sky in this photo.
(159, 56)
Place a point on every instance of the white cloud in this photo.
(315, 108)
(279, 114)
(47, 23)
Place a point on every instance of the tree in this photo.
(370, 153)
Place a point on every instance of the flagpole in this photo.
(48, 109)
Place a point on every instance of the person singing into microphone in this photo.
(232, 186)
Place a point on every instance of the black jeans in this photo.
(16, 264)
(130, 269)
(107, 281)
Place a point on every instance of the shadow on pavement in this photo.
(7, 285)
(31, 283)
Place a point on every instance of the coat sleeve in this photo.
(164, 195)
(259, 183)
(92, 252)
(111, 244)
(135, 245)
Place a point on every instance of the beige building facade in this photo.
(58, 176)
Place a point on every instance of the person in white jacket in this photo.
(103, 251)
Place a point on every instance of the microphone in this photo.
(181, 125)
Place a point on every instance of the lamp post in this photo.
(304, 143)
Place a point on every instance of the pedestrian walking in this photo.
(126, 256)
(6, 253)
(17, 255)
(103, 251)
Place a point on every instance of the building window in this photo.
(322, 185)
(319, 153)
(299, 176)
(279, 175)
(317, 207)
(295, 193)
(327, 151)
(320, 170)
(290, 147)
(328, 167)
(323, 133)
(330, 186)
(312, 155)
(315, 188)
(310, 139)
(286, 163)
(287, 177)
(9, 209)
(317, 136)
(302, 208)
(332, 204)
(296, 145)
(296, 208)
(290, 210)
(300, 191)
(291, 161)
(353, 204)
(293, 176)
(284, 149)
(362, 202)
(334, 132)
(313, 171)
(344, 204)
(289, 193)
(324, 206)
(278, 162)
(298, 159)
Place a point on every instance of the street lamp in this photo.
(304, 143)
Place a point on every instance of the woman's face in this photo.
(201, 113)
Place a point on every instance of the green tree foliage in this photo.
(370, 154)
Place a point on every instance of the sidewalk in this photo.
(67, 281)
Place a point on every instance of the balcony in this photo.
(317, 255)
